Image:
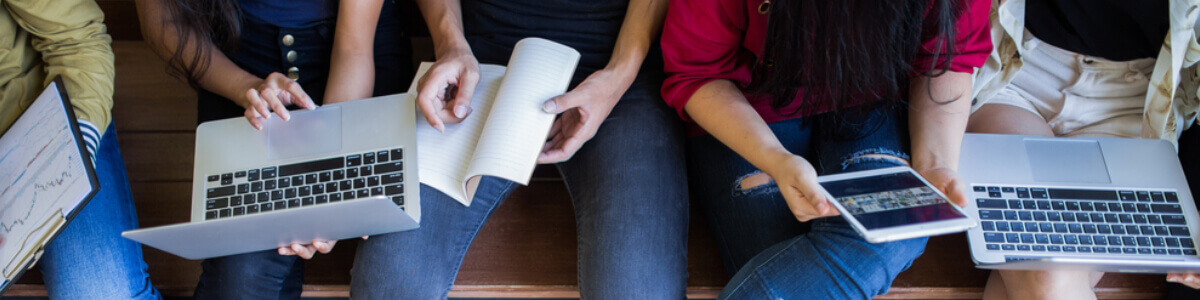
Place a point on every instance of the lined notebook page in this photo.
(443, 157)
(508, 148)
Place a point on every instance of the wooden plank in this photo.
(121, 18)
(157, 157)
(146, 98)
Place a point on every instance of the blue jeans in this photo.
(774, 256)
(89, 259)
(631, 214)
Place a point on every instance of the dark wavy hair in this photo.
(842, 50)
(199, 23)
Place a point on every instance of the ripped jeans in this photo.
(774, 256)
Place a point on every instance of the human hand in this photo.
(797, 181)
(273, 94)
(444, 92)
(948, 182)
(1191, 280)
(583, 109)
(306, 251)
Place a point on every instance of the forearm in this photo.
(938, 112)
(352, 67)
(222, 75)
(641, 27)
(721, 109)
(444, 20)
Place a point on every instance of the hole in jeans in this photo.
(877, 155)
(754, 180)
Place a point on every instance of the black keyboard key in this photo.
(1099, 240)
(1173, 220)
(363, 193)
(265, 207)
(1056, 239)
(1043, 205)
(276, 195)
(1038, 193)
(1186, 243)
(368, 158)
(1039, 248)
(1143, 196)
(1126, 218)
(263, 196)
(979, 188)
(1068, 217)
(1161, 230)
(348, 195)
(331, 187)
(223, 213)
(1140, 219)
(1143, 208)
(390, 167)
(1166, 208)
(1111, 218)
(1103, 229)
(289, 193)
(1071, 239)
(293, 203)
(1082, 217)
(1129, 241)
(1086, 206)
(1143, 251)
(1101, 206)
(216, 203)
(1014, 204)
(1068, 248)
(1046, 227)
(1089, 228)
(1042, 238)
(318, 189)
(268, 173)
(345, 185)
(1022, 193)
(1159, 251)
(304, 191)
(373, 181)
(1012, 237)
(248, 199)
(298, 180)
(990, 214)
(353, 160)
(1028, 204)
(1129, 207)
(237, 211)
(1191, 252)
(1157, 242)
(322, 199)
(1054, 216)
(988, 225)
(256, 186)
(1002, 226)
(1060, 227)
(1179, 231)
(1157, 197)
(326, 176)
(310, 178)
(351, 172)
(1031, 227)
(239, 174)
(1146, 229)
(360, 183)
(1127, 196)
(311, 166)
(1007, 189)
(397, 154)
(991, 203)
(252, 175)
(306, 201)
(269, 185)
(1114, 240)
(243, 188)
(1072, 206)
(1058, 205)
(1143, 241)
(993, 189)
(281, 204)
(392, 178)
(1083, 194)
(381, 156)
(253, 209)
(224, 191)
(227, 178)
(1118, 229)
(1171, 197)
(339, 174)
(1023, 247)
(1016, 226)
(335, 197)
(1010, 215)
(376, 191)
(1175, 251)
(235, 201)
(397, 189)
(1054, 248)
(285, 182)
(214, 178)
(1039, 216)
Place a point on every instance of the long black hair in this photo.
(198, 24)
(844, 51)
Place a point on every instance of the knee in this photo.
(874, 158)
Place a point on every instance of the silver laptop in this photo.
(1101, 204)
(340, 171)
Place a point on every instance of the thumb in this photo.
(560, 104)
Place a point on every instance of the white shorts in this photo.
(1080, 95)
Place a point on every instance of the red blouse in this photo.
(705, 40)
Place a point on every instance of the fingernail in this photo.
(440, 127)
(258, 126)
(549, 106)
(460, 111)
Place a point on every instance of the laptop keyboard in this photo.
(1048, 220)
(304, 184)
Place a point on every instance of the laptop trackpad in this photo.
(1066, 161)
(308, 132)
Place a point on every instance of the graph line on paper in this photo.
(41, 173)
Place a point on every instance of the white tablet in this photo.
(893, 204)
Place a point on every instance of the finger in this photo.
(324, 246)
(555, 128)
(461, 103)
(365, 237)
(299, 96)
(561, 103)
(252, 116)
(801, 208)
(815, 194)
(258, 103)
(566, 150)
(430, 113)
(427, 94)
(271, 95)
(286, 251)
(305, 252)
(957, 192)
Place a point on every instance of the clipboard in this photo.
(52, 221)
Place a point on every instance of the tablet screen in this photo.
(890, 200)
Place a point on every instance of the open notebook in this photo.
(506, 129)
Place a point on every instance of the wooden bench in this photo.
(527, 249)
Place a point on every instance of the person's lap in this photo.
(762, 242)
(89, 259)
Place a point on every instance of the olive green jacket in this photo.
(41, 39)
